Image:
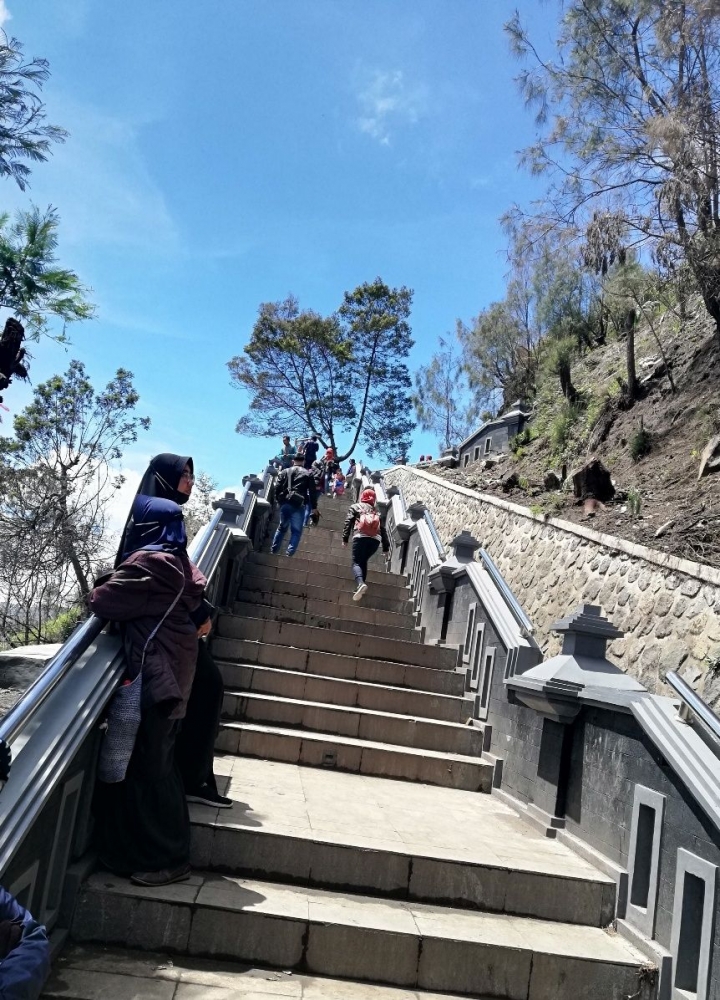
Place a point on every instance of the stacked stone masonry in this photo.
(668, 608)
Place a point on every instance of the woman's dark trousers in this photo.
(195, 746)
(143, 822)
(363, 549)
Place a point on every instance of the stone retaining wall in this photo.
(669, 608)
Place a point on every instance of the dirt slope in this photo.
(665, 481)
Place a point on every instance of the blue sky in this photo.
(229, 153)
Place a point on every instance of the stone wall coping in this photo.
(708, 574)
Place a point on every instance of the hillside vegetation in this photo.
(652, 450)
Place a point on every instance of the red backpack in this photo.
(368, 522)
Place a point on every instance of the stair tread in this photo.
(305, 556)
(370, 812)
(92, 971)
(344, 680)
(399, 917)
(324, 620)
(398, 619)
(352, 741)
(261, 696)
(253, 649)
(314, 638)
(314, 591)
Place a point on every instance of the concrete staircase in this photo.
(327, 865)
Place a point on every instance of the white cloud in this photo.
(5, 14)
(386, 102)
(102, 186)
(109, 194)
(121, 501)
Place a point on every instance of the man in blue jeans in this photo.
(294, 490)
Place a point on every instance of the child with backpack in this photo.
(368, 530)
(338, 487)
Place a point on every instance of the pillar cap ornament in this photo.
(254, 483)
(464, 546)
(580, 672)
(231, 508)
(417, 510)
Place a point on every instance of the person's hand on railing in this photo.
(5, 762)
(204, 629)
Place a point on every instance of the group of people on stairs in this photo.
(296, 491)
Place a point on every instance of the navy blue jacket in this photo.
(24, 970)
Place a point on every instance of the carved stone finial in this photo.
(464, 546)
(254, 483)
(231, 508)
(417, 510)
(586, 632)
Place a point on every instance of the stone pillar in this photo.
(555, 689)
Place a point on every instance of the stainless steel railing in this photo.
(201, 552)
(434, 532)
(520, 617)
(700, 709)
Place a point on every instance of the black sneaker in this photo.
(164, 877)
(207, 796)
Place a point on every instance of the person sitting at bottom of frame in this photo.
(24, 951)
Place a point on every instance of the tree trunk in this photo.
(715, 313)
(68, 541)
(630, 317)
(568, 389)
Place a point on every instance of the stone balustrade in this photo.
(668, 608)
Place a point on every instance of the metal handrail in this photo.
(512, 602)
(24, 710)
(700, 709)
(201, 541)
(434, 532)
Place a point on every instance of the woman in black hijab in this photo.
(171, 477)
(142, 822)
(168, 477)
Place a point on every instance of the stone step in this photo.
(316, 859)
(327, 546)
(317, 589)
(352, 693)
(362, 938)
(294, 571)
(450, 770)
(328, 641)
(359, 723)
(251, 609)
(326, 563)
(96, 973)
(329, 522)
(322, 664)
(392, 838)
(351, 611)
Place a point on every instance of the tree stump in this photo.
(710, 459)
(593, 480)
